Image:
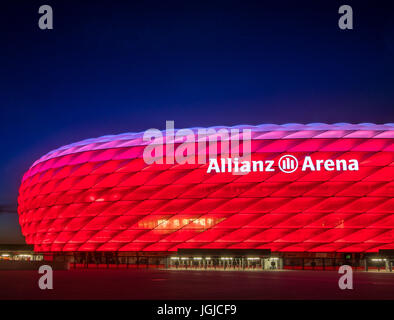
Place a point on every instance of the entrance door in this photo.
(271, 263)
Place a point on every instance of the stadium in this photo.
(98, 201)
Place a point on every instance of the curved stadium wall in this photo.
(100, 195)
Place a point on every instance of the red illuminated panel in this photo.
(100, 195)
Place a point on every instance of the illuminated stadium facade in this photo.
(318, 190)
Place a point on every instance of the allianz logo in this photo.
(287, 164)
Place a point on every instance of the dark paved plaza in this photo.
(164, 284)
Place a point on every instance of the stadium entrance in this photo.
(212, 259)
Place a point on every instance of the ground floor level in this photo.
(227, 260)
(207, 259)
(158, 284)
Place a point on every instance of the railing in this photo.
(114, 266)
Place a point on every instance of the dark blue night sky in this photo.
(116, 66)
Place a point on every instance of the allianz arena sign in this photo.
(286, 164)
